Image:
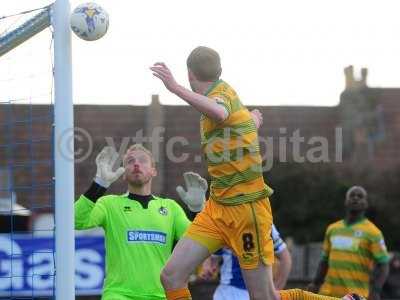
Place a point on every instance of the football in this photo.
(89, 21)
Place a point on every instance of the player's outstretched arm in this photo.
(203, 104)
(196, 187)
(88, 212)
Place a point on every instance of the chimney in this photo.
(351, 82)
(364, 74)
(349, 77)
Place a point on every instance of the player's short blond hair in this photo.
(140, 147)
(205, 64)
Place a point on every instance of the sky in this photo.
(273, 52)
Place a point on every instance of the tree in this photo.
(307, 198)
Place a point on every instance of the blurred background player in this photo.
(354, 256)
(140, 228)
(232, 285)
(392, 284)
(238, 214)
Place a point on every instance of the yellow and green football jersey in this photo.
(138, 241)
(232, 151)
(351, 252)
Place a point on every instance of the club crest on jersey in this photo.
(127, 208)
(358, 233)
(163, 211)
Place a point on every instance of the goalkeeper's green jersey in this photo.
(138, 241)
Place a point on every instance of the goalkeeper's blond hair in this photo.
(140, 147)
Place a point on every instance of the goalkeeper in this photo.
(140, 228)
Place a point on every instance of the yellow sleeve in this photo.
(378, 249)
(223, 99)
(326, 246)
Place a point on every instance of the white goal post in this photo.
(57, 15)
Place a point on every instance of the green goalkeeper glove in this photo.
(196, 187)
(105, 161)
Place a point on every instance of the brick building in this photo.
(363, 128)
